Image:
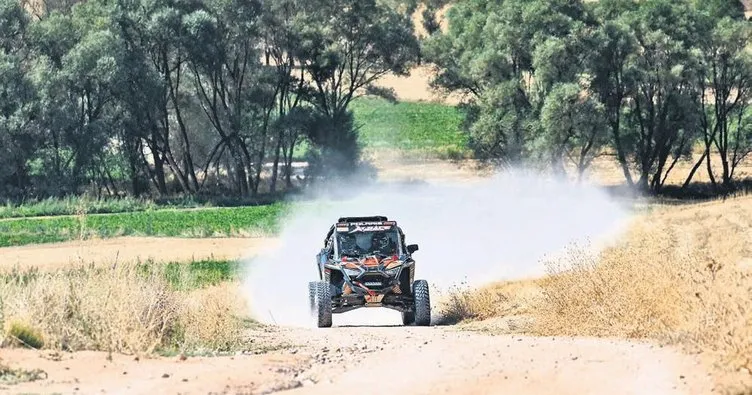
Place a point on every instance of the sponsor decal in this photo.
(370, 228)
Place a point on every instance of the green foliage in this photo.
(185, 276)
(422, 128)
(721, 8)
(646, 69)
(195, 97)
(200, 274)
(503, 124)
(259, 220)
(366, 40)
(18, 100)
(73, 205)
(574, 127)
(491, 51)
(23, 335)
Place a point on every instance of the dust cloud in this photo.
(498, 228)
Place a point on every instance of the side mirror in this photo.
(412, 248)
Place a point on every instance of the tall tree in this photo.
(343, 58)
(155, 36)
(80, 68)
(610, 56)
(18, 101)
(235, 90)
(656, 87)
(726, 79)
(574, 124)
(489, 53)
(281, 36)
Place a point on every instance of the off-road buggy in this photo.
(366, 263)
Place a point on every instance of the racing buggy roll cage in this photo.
(354, 279)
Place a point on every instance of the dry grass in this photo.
(502, 299)
(9, 376)
(641, 288)
(123, 309)
(681, 275)
(677, 284)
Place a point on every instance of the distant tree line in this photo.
(552, 82)
(187, 96)
(206, 96)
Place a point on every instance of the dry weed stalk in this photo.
(496, 300)
(121, 308)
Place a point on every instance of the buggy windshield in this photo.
(365, 243)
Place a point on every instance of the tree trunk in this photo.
(275, 167)
(159, 173)
(694, 169)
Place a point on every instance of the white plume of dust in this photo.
(477, 233)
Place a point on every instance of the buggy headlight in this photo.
(351, 272)
(393, 271)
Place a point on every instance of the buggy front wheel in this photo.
(422, 298)
(323, 304)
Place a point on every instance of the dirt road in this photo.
(383, 359)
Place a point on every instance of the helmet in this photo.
(380, 242)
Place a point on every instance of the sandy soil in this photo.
(388, 358)
(129, 249)
(417, 87)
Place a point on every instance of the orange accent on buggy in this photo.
(371, 261)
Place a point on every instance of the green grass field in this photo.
(429, 129)
(250, 220)
(73, 205)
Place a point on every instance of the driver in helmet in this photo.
(381, 243)
(348, 245)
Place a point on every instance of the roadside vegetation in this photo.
(670, 279)
(132, 308)
(72, 205)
